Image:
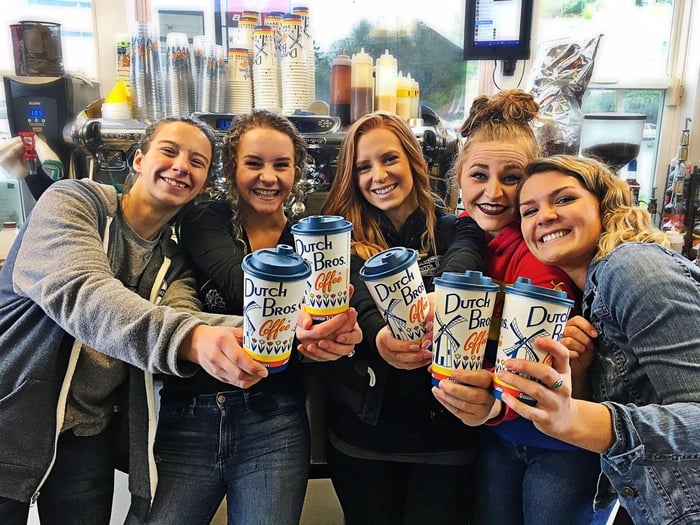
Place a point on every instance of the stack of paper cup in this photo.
(253, 16)
(266, 73)
(179, 81)
(239, 91)
(275, 19)
(308, 45)
(294, 66)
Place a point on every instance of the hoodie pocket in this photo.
(28, 425)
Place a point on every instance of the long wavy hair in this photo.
(345, 198)
(258, 118)
(621, 221)
(506, 116)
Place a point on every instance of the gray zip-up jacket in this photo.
(57, 287)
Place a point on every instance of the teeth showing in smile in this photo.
(266, 193)
(492, 209)
(175, 183)
(552, 236)
(384, 191)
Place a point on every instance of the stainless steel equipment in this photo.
(108, 147)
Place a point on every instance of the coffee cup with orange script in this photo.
(395, 283)
(463, 308)
(529, 312)
(324, 241)
(274, 280)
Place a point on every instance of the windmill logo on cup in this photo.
(464, 305)
(529, 312)
(274, 281)
(324, 241)
(395, 283)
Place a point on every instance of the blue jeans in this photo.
(524, 485)
(253, 448)
(79, 488)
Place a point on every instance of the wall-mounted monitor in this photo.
(497, 29)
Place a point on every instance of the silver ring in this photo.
(352, 353)
(558, 384)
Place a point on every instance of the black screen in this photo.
(497, 29)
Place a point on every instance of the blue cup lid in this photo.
(523, 286)
(469, 280)
(280, 264)
(320, 224)
(388, 262)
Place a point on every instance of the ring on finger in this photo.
(352, 353)
(558, 383)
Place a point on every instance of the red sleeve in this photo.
(527, 265)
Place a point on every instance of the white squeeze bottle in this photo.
(403, 97)
(386, 72)
(415, 97)
(361, 85)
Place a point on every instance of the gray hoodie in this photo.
(57, 287)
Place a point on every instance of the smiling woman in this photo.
(88, 328)
(499, 144)
(644, 301)
(396, 456)
(263, 428)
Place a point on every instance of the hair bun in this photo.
(510, 106)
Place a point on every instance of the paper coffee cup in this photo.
(529, 312)
(324, 241)
(463, 308)
(395, 283)
(274, 280)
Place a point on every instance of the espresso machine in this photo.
(107, 147)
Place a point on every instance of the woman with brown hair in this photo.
(524, 475)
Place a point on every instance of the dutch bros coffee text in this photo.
(395, 283)
(273, 289)
(324, 241)
(529, 312)
(463, 308)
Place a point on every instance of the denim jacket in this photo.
(644, 300)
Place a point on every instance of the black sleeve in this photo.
(205, 234)
(465, 252)
(38, 183)
(368, 316)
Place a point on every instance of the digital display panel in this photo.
(222, 124)
(35, 112)
(497, 29)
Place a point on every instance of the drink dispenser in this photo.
(612, 138)
(361, 85)
(385, 83)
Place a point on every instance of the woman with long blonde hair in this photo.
(396, 455)
(644, 301)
